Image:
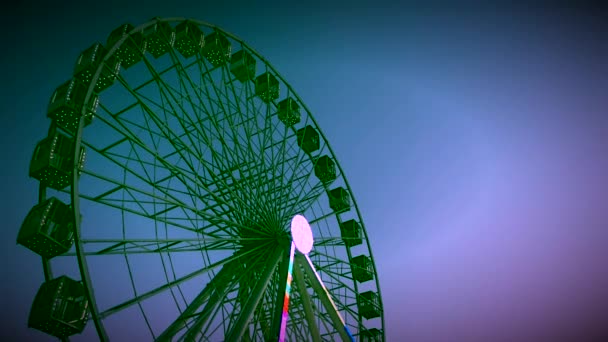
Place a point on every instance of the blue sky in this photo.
(474, 140)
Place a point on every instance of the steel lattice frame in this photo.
(184, 202)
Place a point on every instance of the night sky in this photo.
(475, 140)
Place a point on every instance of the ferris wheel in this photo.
(187, 193)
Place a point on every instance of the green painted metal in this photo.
(65, 106)
(219, 282)
(52, 162)
(48, 229)
(267, 87)
(239, 327)
(339, 199)
(328, 303)
(60, 308)
(372, 335)
(131, 45)
(362, 268)
(208, 140)
(308, 139)
(300, 285)
(369, 304)
(351, 233)
(288, 111)
(217, 49)
(325, 169)
(242, 65)
(189, 39)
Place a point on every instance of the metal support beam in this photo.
(167, 286)
(180, 322)
(247, 312)
(221, 291)
(330, 307)
(202, 318)
(280, 298)
(306, 302)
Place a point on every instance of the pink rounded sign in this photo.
(301, 234)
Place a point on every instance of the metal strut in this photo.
(304, 261)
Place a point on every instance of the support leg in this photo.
(330, 307)
(247, 312)
(306, 302)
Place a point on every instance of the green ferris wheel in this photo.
(176, 159)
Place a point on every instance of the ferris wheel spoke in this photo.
(173, 221)
(305, 197)
(188, 153)
(329, 241)
(222, 113)
(232, 309)
(154, 246)
(238, 328)
(194, 173)
(167, 95)
(266, 164)
(301, 161)
(310, 172)
(348, 312)
(140, 298)
(219, 299)
(249, 107)
(155, 198)
(298, 203)
(276, 297)
(162, 85)
(236, 99)
(246, 156)
(217, 179)
(183, 146)
(145, 197)
(261, 320)
(288, 182)
(151, 80)
(327, 261)
(185, 180)
(267, 147)
(288, 174)
(267, 152)
(131, 138)
(211, 115)
(321, 221)
(140, 214)
(219, 281)
(327, 323)
(277, 164)
(156, 143)
(261, 132)
(140, 161)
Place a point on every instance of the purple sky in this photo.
(475, 142)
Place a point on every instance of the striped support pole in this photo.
(285, 315)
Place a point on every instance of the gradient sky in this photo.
(475, 141)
